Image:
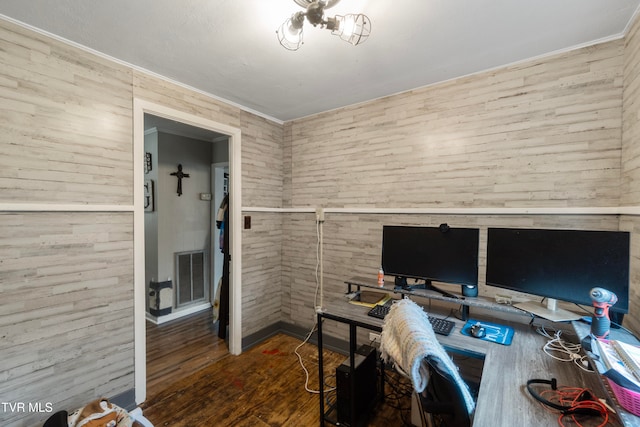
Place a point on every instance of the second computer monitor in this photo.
(560, 264)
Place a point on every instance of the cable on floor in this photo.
(306, 372)
(401, 391)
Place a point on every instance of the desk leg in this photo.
(320, 370)
(382, 375)
(353, 338)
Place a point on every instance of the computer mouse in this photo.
(478, 331)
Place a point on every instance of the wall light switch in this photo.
(205, 196)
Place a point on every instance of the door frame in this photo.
(140, 108)
(216, 255)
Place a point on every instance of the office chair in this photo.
(443, 401)
(408, 341)
(58, 419)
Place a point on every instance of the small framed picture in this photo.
(148, 195)
(147, 163)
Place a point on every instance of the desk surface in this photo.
(503, 399)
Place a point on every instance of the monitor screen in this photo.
(560, 264)
(442, 254)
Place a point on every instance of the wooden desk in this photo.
(503, 399)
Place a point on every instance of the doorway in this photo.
(195, 123)
(181, 201)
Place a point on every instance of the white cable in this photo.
(562, 350)
(318, 274)
(319, 265)
(317, 271)
(306, 372)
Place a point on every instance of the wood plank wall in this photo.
(262, 165)
(66, 124)
(543, 133)
(66, 278)
(631, 161)
(67, 309)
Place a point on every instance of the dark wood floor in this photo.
(262, 387)
(179, 348)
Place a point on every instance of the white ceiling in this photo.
(228, 48)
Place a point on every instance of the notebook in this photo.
(614, 367)
(369, 298)
(630, 355)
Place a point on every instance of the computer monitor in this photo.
(559, 265)
(442, 254)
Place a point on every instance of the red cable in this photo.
(573, 398)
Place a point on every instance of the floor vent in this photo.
(191, 277)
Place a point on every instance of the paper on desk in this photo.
(614, 368)
(368, 299)
(630, 355)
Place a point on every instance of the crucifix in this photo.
(180, 175)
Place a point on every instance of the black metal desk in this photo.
(354, 323)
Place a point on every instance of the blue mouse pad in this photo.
(494, 332)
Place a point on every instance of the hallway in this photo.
(179, 348)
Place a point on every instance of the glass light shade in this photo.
(354, 29)
(290, 34)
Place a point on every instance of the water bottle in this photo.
(380, 277)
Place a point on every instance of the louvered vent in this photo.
(191, 277)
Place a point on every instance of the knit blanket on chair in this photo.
(408, 340)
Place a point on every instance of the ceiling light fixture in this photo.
(352, 28)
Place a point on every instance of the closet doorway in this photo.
(175, 208)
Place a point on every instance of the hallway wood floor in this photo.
(180, 348)
(262, 387)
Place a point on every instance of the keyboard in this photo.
(440, 326)
(379, 311)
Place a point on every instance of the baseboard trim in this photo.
(178, 314)
(328, 342)
(125, 400)
(257, 337)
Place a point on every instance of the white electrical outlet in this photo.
(374, 337)
(320, 214)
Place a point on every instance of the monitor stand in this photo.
(401, 283)
(430, 287)
(549, 312)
